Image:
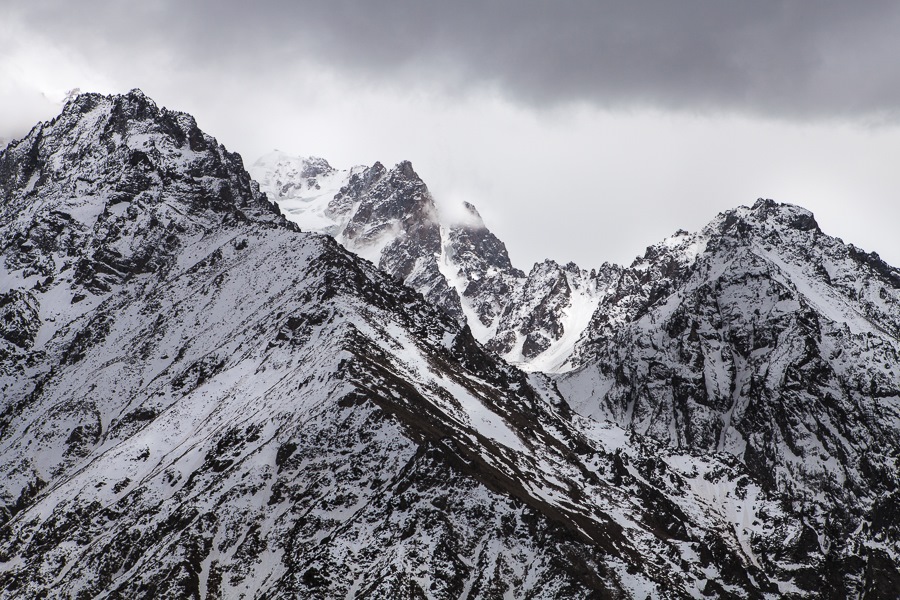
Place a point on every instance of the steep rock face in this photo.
(476, 264)
(393, 222)
(549, 312)
(258, 412)
(19, 318)
(764, 338)
(385, 216)
(390, 218)
(105, 191)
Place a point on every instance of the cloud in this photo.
(35, 76)
(781, 58)
(505, 104)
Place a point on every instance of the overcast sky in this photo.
(581, 130)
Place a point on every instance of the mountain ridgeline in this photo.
(320, 385)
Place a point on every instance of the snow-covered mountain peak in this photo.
(98, 195)
(405, 170)
(239, 409)
(122, 141)
(139, 95)
(796, 217)
(388, 208)
(763, 219)
(134, 104)
(763, 337)
(769, 239)
(281, 169)
(843, 283)
(440, 247)
(765, 222)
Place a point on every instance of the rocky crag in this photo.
(200, 400)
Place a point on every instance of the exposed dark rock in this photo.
(239, 408)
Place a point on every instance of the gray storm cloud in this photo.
(782, 58)
(581, 130)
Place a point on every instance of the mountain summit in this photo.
(390, 218)
(764, 338)
(200, 400)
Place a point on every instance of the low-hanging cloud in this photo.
(782, 58)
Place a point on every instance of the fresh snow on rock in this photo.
(199, 400)
(446, 253)
(766, 339)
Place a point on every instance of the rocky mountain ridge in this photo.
(198, 400)
(764, 338)
(390, 218)
(698, 343)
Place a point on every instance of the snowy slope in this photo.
(303, 188)
(201, 401)
(766, 339)
(391, 219)
(549, 313)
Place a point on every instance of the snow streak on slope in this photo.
(457, 281)
(549, 312)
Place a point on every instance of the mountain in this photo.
(200, 400)
(549, 312)
(759, 337)
(390, 218)
(764, 338)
